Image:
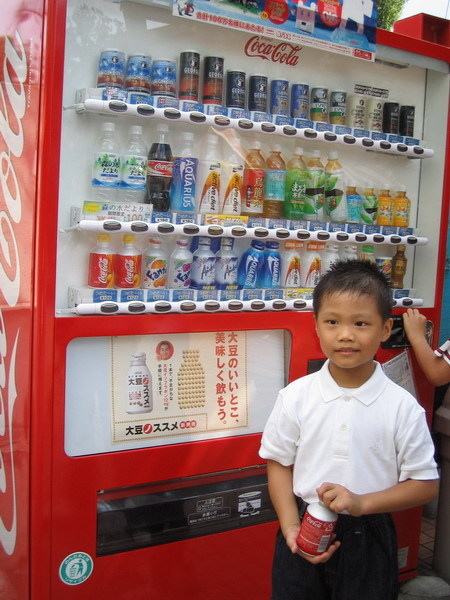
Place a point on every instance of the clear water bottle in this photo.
(226, 264)
(105, 180)
(203, 264)
(270, 275)
(250, 265)
(350, 252)
(331, 255)
(134, 167)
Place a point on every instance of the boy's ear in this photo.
(387, 327)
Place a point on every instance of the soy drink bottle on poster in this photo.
(139, 386)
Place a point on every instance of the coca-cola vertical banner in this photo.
(341, 26)
(20, 59)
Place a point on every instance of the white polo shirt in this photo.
(367, 439)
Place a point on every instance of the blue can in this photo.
(250, 265)
(279, 97)
(257, 93)
(270, 275)
(138, 74)
(300, 101)
(111, 69)
(164, 78)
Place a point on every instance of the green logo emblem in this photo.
(76, 568)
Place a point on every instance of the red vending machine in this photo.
(131, 410)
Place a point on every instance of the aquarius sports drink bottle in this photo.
(159, 171)
(250, 265)
(270, 274)
(184, 176)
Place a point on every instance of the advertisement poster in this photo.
(342, 26)
(141, 391)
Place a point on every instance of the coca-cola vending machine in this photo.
(131, 415)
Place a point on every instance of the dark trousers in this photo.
(364, 567)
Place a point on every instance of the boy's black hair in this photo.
(357, 277)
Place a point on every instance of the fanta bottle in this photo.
(154, 265)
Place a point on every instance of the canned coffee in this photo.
(189, 75)
(338, 107)
(374, 114)
(300, 101)
(356, 111)
(407, 120)
(319, 104)
(111, 69)
(257, 93)
(316, 530)
(138, 74)
(235, 94)
(391, 112)
(213, 80)
(279, 97)
(164, 78)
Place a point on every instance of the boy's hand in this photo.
(291, 540)
(338, 498)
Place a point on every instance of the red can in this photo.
(316, 530)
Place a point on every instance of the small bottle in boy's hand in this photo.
(316, 530)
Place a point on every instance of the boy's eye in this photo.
(360, 323)
(332, 322)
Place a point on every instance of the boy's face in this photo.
(350, 330)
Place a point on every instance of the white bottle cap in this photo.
(276, 148)
(108, 126)
(187, 135)
(162, 127)
(401, 188)
(255, 146)
(333, 155)
(316, 153)
(135, 130)
(298, 150)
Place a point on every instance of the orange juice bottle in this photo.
(402, 208)
(385, 207)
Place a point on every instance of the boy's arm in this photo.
(407, 494)
(284, 501)
(436, 369)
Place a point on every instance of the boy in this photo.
(435, 364)
(356, 441)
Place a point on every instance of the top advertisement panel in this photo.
(341, 26)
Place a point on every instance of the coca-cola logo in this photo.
(12, 111)
(283, 52)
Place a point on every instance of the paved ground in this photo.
(425, 587)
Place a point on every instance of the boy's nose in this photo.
(345, 333)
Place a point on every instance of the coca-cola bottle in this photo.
(159, 171)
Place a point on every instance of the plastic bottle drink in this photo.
(250, 265)
(354, 202)
(274, 184)
(330, 256)
(385, 207)
(226, 264)
(154, 265)
(399, 262)
(369, 206)
(335, 187)
(101, 263)
(159, 171)
(296, 179)
(133, 186)
(231, 182)
(270, 274)
(128, 264)
(106, 165)
(367, 253)
(315, 190)
(312, 270)
(184, 176)
(139, 386)
(180, 265)
(291, 264)
(350, 252)
(203, 264)
(402, 208)
(207, 188)
(253, 184)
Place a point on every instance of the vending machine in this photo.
(132, 409)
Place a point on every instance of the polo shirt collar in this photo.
(366, 394)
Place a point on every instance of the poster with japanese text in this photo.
(342, 26)
(152, 390)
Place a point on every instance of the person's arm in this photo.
(407, 494)
(435, 368)
(285, 505)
